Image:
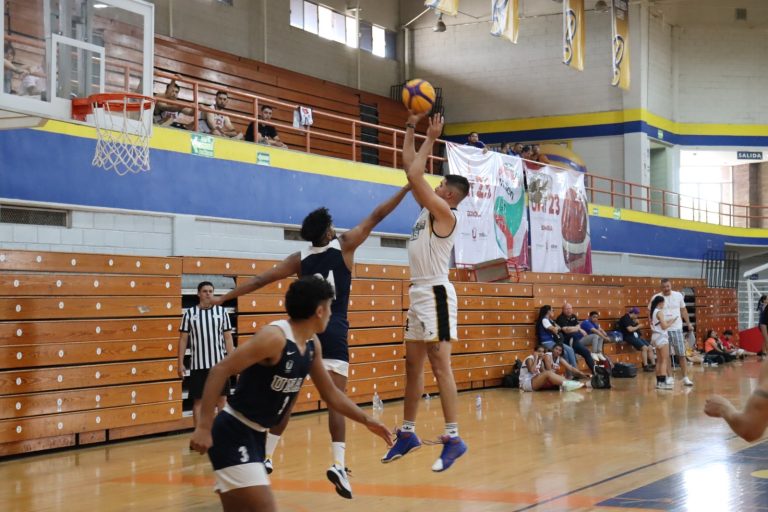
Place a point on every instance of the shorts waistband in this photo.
(242, 419)
(430, 281)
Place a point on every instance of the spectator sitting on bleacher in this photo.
(714, 350)
(574, 335)
(473, 139)
(10, 68)
(266, 133)
(220, 124)
(548, 333)
(732, 349)
(590, 326)
(537, 373)
(168, 114)
(630, 331)
(537, 155)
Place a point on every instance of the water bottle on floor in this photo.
(378, 404)
(478, 402)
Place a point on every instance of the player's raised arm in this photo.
(290, 266)
(353, 238)
(422, 192)
(339, 402)
(267, 344)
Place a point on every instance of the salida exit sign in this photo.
(749, 155)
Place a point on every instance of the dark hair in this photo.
(526, 148)
(305, 295)
(222, 93)
(10, 49)
(172, 83)
(710, 334)
(727, 332)
(540, 345)
(264, 107)
(459, 183)
(543, 311)
(204, 283)
(762, 298)
(473, 133)
(664, 280)
(654, 304)
(593, 313)
(315, 225)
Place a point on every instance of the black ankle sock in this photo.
(660, 380)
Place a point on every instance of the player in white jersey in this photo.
(432, 315)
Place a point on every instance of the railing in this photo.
(632, 196)
(353, 125)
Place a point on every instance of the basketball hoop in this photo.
(123, 124)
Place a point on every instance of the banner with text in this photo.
(505, 19)
(573, 34)
(620, 32)
(492, 219)
(450, 7)
(560, 239)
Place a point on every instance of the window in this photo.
(335, 26)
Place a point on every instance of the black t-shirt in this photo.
(569, 321)
(764, 316)
(624, 322)
(264, 130)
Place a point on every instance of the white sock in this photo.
(338, 453)
(271, 444)
(408, 426)
(452, 429)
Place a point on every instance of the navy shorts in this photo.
(197, 380)
(237, 454)
(637, 342)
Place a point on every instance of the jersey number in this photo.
(285, 404)
(243, 454)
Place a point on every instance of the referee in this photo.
(208, 332)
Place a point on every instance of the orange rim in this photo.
(116, 101)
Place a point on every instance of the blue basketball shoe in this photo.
(405, 442)
(453, 448)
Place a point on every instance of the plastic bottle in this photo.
(378, 404)
(427, 397)
(478, 402)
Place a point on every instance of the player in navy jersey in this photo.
(272, 366)
(331, 256)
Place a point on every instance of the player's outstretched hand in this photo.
(717, 406)
(201, 441)
(215, 301)
(379, 429)
(435, 129)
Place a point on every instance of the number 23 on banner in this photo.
(551, 199)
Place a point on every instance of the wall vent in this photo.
(34, 216)
(397, 243)
(741, 14)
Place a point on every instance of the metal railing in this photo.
(354, 126)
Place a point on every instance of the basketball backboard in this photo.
(58, 50)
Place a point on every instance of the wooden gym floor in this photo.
(630, 448)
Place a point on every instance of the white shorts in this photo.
(526, 384)
(337, 366)
(433, 313)
(659, 340)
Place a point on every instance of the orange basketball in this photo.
(418, 96)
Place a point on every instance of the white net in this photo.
(123, 130)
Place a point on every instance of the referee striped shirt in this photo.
(206, 329)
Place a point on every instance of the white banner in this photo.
(560, 239)
(505, 19)
(492, 221)
(449, 7)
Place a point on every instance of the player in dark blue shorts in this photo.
(332, 257)
(272, 366)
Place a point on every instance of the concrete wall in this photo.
(260, 30)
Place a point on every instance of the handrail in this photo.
(355, 125)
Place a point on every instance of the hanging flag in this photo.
(505, 19)
(573, 34)
(449, 7)
(491, 222)
(560, 240)
(620, 31)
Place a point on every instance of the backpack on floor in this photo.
(512, 379)
(601, 377)
(624, 371)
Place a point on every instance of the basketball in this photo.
(418, 96)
